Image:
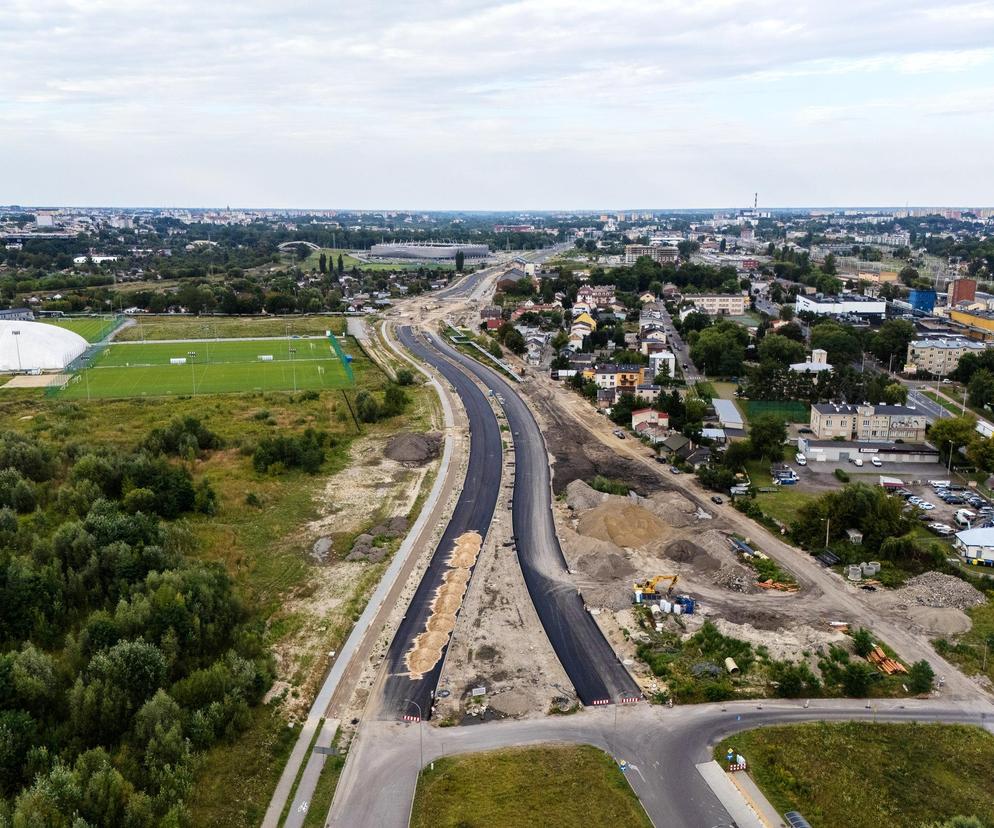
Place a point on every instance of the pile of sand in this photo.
(427, 649)
(939, 620)
(672, 507)
(413, 448)
(622, 523)
(606, 568)
(688, 552)
(580, 496)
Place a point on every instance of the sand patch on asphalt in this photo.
(428, 646)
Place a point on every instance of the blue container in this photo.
(922, 300)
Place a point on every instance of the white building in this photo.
(845, 305)
(720, 304)
(976, 546)
(660, 358)
(817, 362)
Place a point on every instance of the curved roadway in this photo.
(592, 666)
(473, 512)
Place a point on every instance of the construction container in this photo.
(688, 604)
(677, 609)
(666, 606)
(875, 565)
(867, 570)
(854, 573)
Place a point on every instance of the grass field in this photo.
(348, 262)
(791, 411)
(567, 786)
(865, 775)
(226, 327)
(213, 367)
(91, 328)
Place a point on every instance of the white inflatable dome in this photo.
(32, 346)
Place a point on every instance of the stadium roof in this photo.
(33, 346)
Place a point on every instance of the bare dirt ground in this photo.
(363, 514)
(498, 643)
(36, 380)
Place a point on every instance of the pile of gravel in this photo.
(580, 496)
(934, 589)
(413, 448)
(363, 550)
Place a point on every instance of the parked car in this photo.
(716, 499)
(856, 461)
(619, 434)
(674, 470)
(876, 461)
(801, 459)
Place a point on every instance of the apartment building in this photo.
(938, 355)
(596, 296)
(876, 423)
(620, 377)
(720, 304)
(658, 253)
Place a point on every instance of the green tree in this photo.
(830, 266)
(341, 265)
(780, 349)
(460, 260)
(980, 453)
(767, 434)
(981, 388)
(890, 343)
(896, 394)
(949, 435)
(840, 342)
(322, 263)
(920, 677)
(862, 642)
(515, 342)
(857, 678)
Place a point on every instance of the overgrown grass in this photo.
(863, 775)
(211, 327)
(967, 650)
(608, 486)
(568, 786)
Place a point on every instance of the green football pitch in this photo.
(91, 328)
(210, 367)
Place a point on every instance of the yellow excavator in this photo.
(646, 590)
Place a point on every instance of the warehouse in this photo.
(27, 347)
(976, 546)
(833, 451)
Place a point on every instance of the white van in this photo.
(856, 461)
(800, 459)
(964, 517)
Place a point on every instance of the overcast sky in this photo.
(541, 104)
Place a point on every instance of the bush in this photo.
(304, 451)
(608, 486)
(185, 437)
(405, 376)
(843, 476)
(920, 677)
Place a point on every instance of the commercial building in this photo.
(841, 451)
(961, 290)
(720, 304)
(831, 421)
(17, 314)
(976, 546)
(846, 305)
(977, 325)
(435, 251)
(658, 253)
(938, 355)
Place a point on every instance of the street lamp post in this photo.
(293, 367)
(17, 345)
(421, 742)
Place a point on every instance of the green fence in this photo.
(346, 362)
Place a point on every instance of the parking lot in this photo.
(941, 505)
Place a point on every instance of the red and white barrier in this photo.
(412, 718)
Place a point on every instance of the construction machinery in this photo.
(646, 590)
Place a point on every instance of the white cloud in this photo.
(534, 101)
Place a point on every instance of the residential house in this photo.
(622, 377)
(651, 424)
(660, 359)
(597, 296)
(939, 355)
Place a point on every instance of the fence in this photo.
(346, 360)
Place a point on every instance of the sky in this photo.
(468, 104)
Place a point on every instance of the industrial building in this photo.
(977, 325)
(17, 314)
(976, 546)
(835, 451)
(845, 305)
(28, 347)
(728, 414)
(431, 251)
(961, 290)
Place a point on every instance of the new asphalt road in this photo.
(660, 746)
(591, 664)
(473, 512)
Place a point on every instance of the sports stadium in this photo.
(430, 251)
(29, 347)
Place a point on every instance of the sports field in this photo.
(211, 367)
(91, 328)
(792, 411)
